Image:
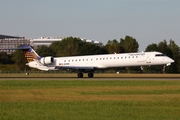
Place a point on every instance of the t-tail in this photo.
(30, 54)
(35, 61)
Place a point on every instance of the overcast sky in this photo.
(148, 21)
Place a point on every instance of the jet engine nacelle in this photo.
(46, 60)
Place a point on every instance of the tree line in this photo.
(72, 46)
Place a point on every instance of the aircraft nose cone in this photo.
(170, 60)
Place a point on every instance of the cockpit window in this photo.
(159, 55)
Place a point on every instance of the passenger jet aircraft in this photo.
(90, 63)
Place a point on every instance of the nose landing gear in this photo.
(164, 68)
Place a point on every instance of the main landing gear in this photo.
(90, 75)
(80, 75)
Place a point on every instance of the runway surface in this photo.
(86, 78)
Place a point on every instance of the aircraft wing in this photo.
(76, 67)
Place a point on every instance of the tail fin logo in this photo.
(30, 56)
(29, 53)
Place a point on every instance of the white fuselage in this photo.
(114, 60)
(106, 61)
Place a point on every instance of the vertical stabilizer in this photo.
(29, 53)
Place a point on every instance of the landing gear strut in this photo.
(164, 68)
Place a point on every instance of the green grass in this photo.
(89, 110)
(96, 75)
(89, 100)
